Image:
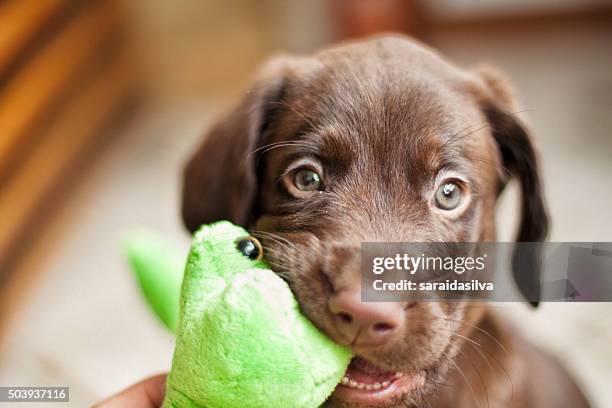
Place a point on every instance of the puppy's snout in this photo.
(364, 323)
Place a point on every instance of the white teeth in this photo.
(398, 375)
(363, 386)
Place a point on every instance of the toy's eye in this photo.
(250, 247)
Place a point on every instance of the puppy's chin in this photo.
(400, 374)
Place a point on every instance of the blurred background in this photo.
(101, 102)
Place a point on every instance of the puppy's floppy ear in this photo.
(519, 160)
(220, 179)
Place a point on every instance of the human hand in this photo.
(148, 393)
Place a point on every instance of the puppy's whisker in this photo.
(480, 349)
(450, 360)
(277, 254)
(264, 149)
(486, 333)
(473, 342)
(486, 360)
(461, 135)
(484, 384)
(277, 237)
(279, 260)
(272, 145)
(278, 247)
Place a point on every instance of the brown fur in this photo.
(382, 118)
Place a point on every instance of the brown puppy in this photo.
(383, 140)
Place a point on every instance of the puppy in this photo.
(383, 140)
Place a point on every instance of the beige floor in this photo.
(85, 325)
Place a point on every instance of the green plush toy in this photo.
(241, 339)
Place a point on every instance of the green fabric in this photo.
(241, 340)
(158, 267)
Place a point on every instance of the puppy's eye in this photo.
(448, 196)
(303, 178)
(250, 247)
(307, 180)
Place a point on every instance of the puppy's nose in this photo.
(364, 323)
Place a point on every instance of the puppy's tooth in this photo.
(385, 383)
(353, 383)
(360, 386)
(369, 387)
(376, 386)
(398, 375)
(345, 380)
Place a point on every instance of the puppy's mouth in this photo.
(367, 384)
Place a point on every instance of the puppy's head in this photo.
(381, 140)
